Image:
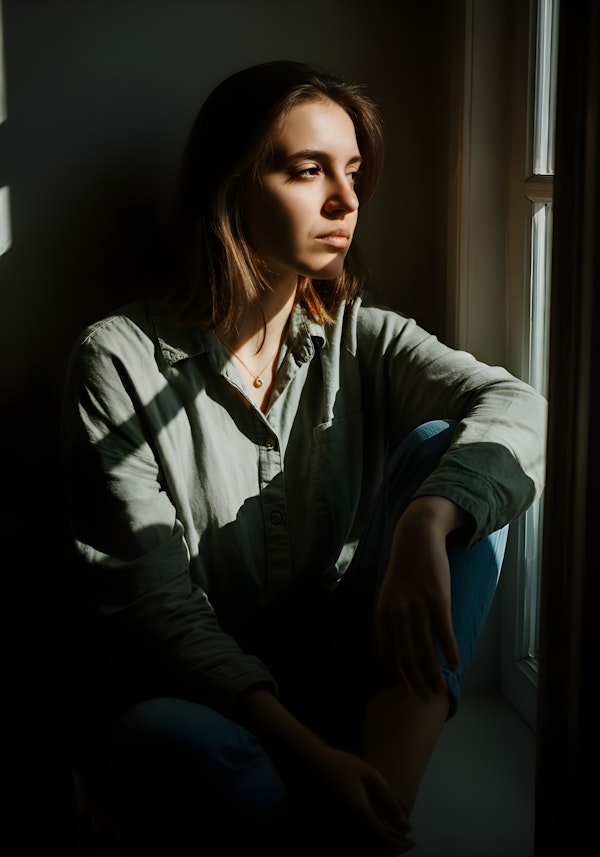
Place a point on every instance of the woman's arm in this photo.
(128, 534)
(495, 466)
(340, 780)
(413, 605)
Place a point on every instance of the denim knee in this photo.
(474, 575)
(174, 750)
(474, 572)
(415, 458)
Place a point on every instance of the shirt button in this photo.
(276, 517)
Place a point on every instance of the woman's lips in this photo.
(337, 239)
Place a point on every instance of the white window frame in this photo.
(531, 194)
(489, 263)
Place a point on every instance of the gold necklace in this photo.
(257, 380)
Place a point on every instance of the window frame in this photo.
(528, 190)
(489, 260)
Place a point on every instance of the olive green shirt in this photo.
(194, 512)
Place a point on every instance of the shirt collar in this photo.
(179, 342)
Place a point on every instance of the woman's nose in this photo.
(342, 197)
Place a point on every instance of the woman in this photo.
(290, 504)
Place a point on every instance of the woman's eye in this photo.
(308, 172)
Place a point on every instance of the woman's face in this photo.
(302, 213)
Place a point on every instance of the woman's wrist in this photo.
(282, 735)
(435, 514)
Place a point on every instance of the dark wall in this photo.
(100, 97)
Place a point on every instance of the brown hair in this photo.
(230, 141)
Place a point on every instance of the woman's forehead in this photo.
(317, 125)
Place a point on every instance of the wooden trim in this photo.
(540, 188)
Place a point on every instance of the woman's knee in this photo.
(426, 443)
(181, 750)
(474, 576)
(417, 455)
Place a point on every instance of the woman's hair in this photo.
(229, 143)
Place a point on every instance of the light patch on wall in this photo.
(5, 234)
(2, 72)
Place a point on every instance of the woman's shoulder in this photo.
(140, 335)
(368, 318)
(130, 322)
(371, 311)
(119, 341)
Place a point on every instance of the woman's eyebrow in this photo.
(318, 155)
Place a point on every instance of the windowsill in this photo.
(477, 794)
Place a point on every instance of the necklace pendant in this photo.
(258, 382)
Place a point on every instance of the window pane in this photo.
(539, 310)
(545, 87)
(534, 519)
(541, 249)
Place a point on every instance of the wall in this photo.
(100, 97)
(101, 94)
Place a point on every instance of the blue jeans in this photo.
(173, 753)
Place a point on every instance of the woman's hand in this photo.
(353, 798)
(412, 612)
(361, 805)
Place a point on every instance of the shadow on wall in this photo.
(117, 248)
(111, 245)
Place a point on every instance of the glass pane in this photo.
(539, 316)
(545, 87)
(534, 521)
(539, 309)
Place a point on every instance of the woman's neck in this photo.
(257, 344)
(264, 324)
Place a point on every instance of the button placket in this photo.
(272, 495)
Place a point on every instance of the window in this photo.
(500, 235)
(529, 271)
(539, 193)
